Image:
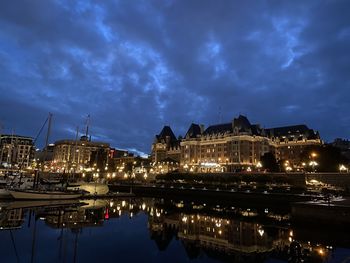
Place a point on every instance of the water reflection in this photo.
(206, 233)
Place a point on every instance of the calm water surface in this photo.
(157, 230)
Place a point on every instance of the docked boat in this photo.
(91, 188)
(43, 195)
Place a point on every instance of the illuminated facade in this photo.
(289, 142)
(79, 154)
(224, 147)
(239, 145)
(16, 151)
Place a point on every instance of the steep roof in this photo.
(219, 128)
(193, 131)
(166, 132)
(242, 122)
(292, 130)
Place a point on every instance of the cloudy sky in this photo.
(135, 66)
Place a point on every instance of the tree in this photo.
(269, 162)
(327, 157)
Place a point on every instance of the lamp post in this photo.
(259, 166)
(313, 164)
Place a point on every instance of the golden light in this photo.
(320, 251)
(342, 168)
(261, 232)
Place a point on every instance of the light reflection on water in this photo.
(155, 230)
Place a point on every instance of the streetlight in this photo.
(313, 164)
(259, 166)
(343, 168)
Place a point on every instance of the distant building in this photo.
(45, 155)
(16, 151)
(78, 154)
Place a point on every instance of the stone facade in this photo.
(224, 147)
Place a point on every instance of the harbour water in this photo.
(160, 230)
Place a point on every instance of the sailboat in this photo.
(38, 194)
(43, 195)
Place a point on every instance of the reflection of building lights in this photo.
(143, 206)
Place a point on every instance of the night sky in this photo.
(135, 66)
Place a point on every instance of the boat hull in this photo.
(4, 194)
(32, 195)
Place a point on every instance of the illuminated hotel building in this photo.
(224, 147)
(233, 146)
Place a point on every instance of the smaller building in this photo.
(16, 151)
(80, 154)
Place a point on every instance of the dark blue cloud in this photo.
(135, 66)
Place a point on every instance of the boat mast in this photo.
(87, 126)
(48, 131)
(1, 144)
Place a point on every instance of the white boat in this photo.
(92, 188)
(6, 185)
(43, 195)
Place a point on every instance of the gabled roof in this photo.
(219, 128)
(166, 132)
(193, 131)
(301, 129)
(242, 123)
